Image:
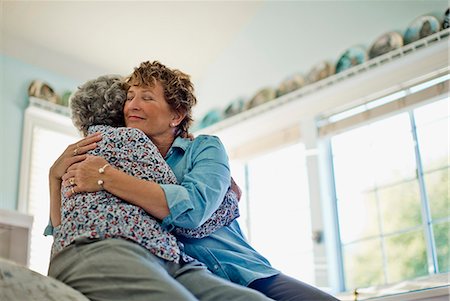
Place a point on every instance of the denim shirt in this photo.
(202, 169)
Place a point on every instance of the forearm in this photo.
(146, 194)
(55, 201)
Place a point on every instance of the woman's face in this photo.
(146, 109)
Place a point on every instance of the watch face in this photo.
(351, 57)
(290, 84)
(421, 27)
(320, 71)
(446, 21)
(385, 43)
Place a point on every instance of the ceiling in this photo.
(82, 39)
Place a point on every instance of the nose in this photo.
(133, 104)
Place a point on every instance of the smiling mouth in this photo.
(135, 118)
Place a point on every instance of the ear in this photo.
(177, 118)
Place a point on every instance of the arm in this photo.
(129, 188)
(60, 166)
(205, 178)
(203, 186)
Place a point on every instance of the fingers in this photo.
(235, 187)
(73, 167)
(89, 139)
(71, 191)
(68, 175)
(84, 145)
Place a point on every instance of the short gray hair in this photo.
(99, 102)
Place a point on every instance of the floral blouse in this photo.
(102, 215)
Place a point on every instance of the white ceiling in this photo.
(115, 36)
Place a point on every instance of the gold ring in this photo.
(72, 181)
(72, 190)
(75, 152)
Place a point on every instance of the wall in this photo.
(284, 37)
(15, 77)
(291, 36)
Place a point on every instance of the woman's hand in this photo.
(84, 176)
(74, 153)
(236, 189)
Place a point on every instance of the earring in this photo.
(172, 124)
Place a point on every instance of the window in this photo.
(391, 185)
(277, 220)
(358, 179)
(46, 135)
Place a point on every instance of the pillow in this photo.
(20, 283)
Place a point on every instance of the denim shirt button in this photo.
(216, 267)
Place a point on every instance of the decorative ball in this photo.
(42, 90)
(351, 57)
(235, 107)
(320, 71)
(385, 43)
(446, 19)
(262, 96)
(210, 118)
(421, 27)
(292, 83)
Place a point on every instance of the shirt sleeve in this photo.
(203, 187)
(49, 229)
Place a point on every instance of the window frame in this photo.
(50, 117)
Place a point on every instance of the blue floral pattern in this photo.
(102, 215)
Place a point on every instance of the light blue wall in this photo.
(291, 36)
(14, 81)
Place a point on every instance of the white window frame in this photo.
(44, 115)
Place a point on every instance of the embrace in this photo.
(140, 210)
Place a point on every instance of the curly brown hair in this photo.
(177, 85)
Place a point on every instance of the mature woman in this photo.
(103, 241)
(159, 102)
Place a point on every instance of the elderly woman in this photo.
(102, 240)
(159, 102)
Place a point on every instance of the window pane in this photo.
(352, 167)
(430, 113)
(42, 157)
(433, 144)
(406, 256)
(360, 211)
(441, 236)
(400, 206)
(279, 201)
(363, 264)
(393, 150)
(438, 193)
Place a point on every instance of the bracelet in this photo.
(101, 170)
